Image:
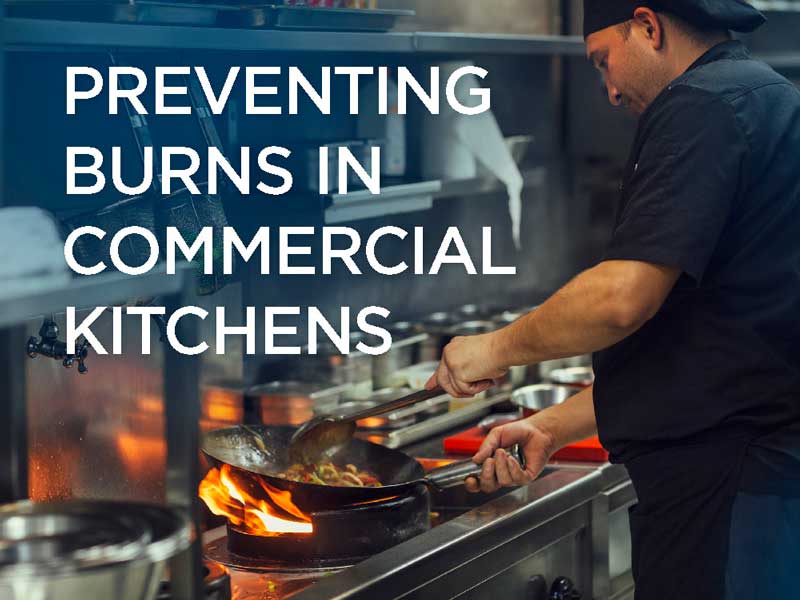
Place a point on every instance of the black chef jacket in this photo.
(708, 391)
(712, 187)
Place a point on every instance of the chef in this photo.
(693, 315)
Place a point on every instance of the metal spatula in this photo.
(323, 436)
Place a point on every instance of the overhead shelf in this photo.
(478, 43)
(392, 200)
(414, 197)
(777, 5)
(478, 186)
(781, 60)
(49, 35)
(48, 297)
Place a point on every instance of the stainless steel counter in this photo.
(556, 526)
(571, 522)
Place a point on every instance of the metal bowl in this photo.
(574, 376)
(548, 366)
(87, 550)
(533, 398)
(67, 537)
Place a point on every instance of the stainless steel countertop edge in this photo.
(525, 509)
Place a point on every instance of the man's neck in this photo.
(687, 53)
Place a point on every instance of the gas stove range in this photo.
(460, 529)
(487, 546)
(260, 578)
(272, 573)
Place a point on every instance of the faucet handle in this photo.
(48, 344)
(81, 352)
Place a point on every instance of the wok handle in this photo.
(454, 474)
(393, 405)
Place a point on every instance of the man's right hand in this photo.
(500, 469)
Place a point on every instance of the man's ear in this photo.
(649, 23)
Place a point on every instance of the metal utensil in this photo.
(324, 435)
(260, 444)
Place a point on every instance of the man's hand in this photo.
(500, 469)
(469, 366)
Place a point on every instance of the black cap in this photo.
(736, 15)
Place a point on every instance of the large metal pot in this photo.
(405, 351)
(435, 326)
(292, 402)
(330, 365)
(87, 550)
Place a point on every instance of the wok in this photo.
(398, 472)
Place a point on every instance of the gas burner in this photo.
(272, 585)
(218, 551)
(264, 579)
(340, 539)
(217, 582)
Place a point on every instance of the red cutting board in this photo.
(468, 442)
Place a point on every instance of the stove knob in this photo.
(564, 589)
(537, 588)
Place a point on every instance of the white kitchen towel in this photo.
(455, 143)
(34, 250)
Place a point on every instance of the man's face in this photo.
(629, 66)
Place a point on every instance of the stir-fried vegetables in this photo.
(330, 474)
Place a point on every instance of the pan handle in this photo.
(454, 474)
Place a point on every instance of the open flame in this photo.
(227, 497)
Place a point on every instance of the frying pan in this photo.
(398, 472)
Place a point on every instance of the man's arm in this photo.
(597, 309)
(539, 436)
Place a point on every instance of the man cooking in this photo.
(693, 315)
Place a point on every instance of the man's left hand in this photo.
(469, 366)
